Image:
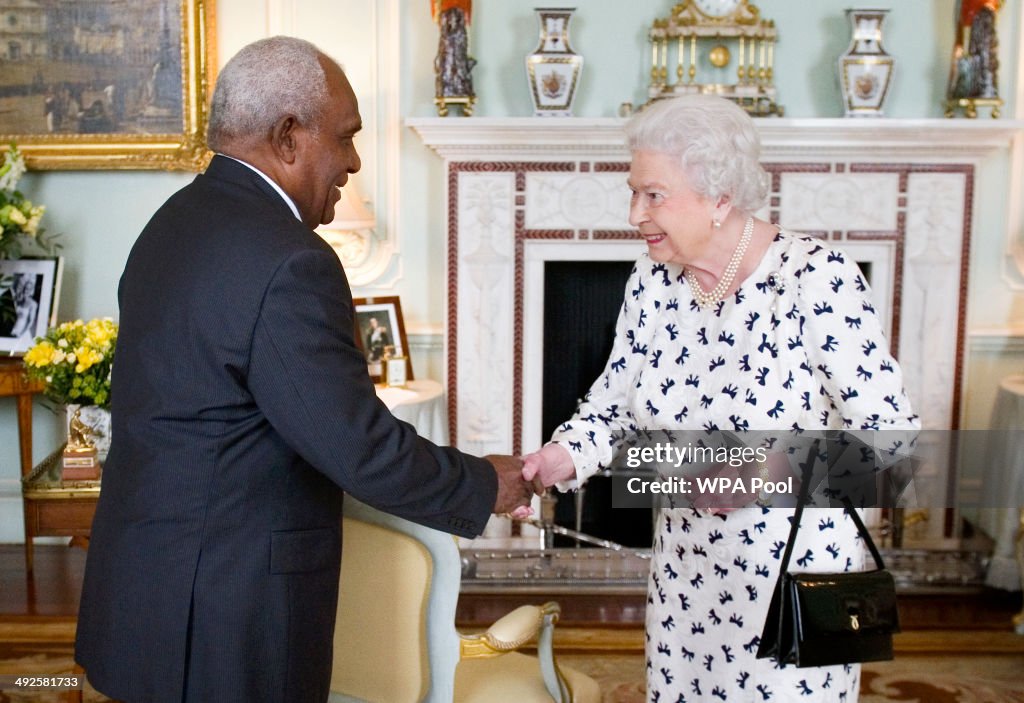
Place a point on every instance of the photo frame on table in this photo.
(378, 325)
(109, 85)
(29, 293)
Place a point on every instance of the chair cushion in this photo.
(515, 677)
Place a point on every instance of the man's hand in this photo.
(547, 466)
(513, 490)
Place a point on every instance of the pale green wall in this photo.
(97, 215)
(100, 213)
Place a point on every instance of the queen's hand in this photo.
(545, 467)
(552, 464)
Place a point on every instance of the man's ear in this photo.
(284, 138)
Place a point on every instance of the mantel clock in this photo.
(722, 47)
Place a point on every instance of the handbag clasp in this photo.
(854, 622)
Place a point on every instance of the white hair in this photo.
(715, 141)
(262, 83)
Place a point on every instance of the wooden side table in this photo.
(56, 508)
(13, 382)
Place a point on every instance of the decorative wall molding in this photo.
(10, 488)
(381, 271)
(12, 523)
(426, 339)
(281, 17)
(896, 193)
(372, 257)
(997, 340)
(1013, 263)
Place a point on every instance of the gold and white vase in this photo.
(554, 68)
(865, 70)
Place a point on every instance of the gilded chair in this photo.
(395, 639)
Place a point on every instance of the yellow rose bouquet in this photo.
(74, 360)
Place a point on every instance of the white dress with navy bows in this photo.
(797, 346)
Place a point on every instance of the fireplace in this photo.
(581, 304)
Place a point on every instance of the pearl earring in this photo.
(716, 223)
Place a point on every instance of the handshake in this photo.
(519, 479)
(514, 491)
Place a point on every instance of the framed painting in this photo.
(29, 292)
(107, 84)
(380, 333)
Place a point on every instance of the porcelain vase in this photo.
(554, 68)
(98, 420)
(865, 70)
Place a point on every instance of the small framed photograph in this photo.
(29, 292)
(396, 372)
(380, 333)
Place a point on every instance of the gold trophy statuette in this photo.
(80, 461)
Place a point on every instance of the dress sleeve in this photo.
(603, 420)
(847, 350)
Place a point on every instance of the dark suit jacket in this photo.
(242, 410)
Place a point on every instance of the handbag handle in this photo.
(805, 490)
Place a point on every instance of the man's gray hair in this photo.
(263, 82)
(715, 141)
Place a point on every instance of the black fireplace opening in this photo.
(581, 305)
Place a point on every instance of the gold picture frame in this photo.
(123, 88)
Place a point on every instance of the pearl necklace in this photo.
(704, 299)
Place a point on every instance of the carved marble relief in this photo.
(576, 201)
(486, 254)
(814, 202)
(932, 289)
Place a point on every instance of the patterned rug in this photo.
(40, 660)
(910, 678)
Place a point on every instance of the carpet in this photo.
(909, 678)
(944, 678)
(31, 659)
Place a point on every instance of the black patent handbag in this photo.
(822, 619)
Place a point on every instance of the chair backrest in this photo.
(395, 637)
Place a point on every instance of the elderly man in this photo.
(242, 411)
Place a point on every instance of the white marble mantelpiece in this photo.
(532, 137)
(519, 191)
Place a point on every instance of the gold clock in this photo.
(722, 47)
